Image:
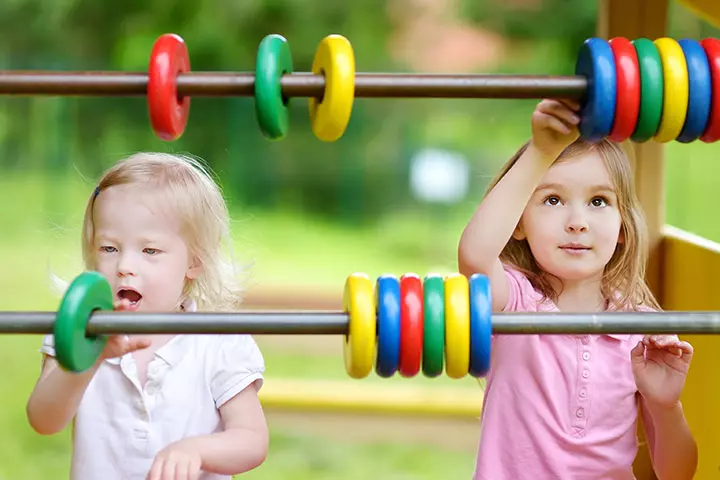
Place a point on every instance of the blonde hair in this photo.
(204, 217)
(623, 281)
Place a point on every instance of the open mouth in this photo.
(131, 295)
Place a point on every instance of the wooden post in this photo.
(635, 19)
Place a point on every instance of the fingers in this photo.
(637, 354)
(670, 343)
(557, 116)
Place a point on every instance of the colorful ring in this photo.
(271, 107)
(359, 343)
(388, 326)
(652, 86)
(480, 325)
(457, 325)
(596, 62)
(700, 91)
(168, 112)
(434, 326)
(675, 95)
(628, 89)
(74, 349)
(335, 60)
(411, 324)
(712, 130)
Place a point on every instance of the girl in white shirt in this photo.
(159, 407)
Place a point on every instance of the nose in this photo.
(577, 222)
(126, 266)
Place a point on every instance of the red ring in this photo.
(712, 130)
(628, 89)
(411, 325)
(168, 112)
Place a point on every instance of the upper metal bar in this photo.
(335, 323)
(297, 84)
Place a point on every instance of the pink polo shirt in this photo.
(557, 406)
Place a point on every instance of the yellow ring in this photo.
(676, 91)
(457, 325)
(359, 345)
(335, 60)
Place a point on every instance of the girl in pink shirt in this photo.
(562, 229)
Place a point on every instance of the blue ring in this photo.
(388, 327)
(596, 62)
(480, 325)
(700, 82)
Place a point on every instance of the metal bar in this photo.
(297, 84)
(335, 322)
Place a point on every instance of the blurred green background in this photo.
(306, 213)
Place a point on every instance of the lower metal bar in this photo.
(297, 84)
(335, 323)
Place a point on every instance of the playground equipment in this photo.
(662, 90)
(399, 325)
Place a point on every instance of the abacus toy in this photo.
(663, 89)
(404, 325)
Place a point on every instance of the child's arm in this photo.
(493, 223)
(660, 366)
(57, 393)
(56, 397)
(672, 447)
(241, 447)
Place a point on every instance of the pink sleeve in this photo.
(522, 296)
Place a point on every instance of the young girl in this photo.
(159, 407)
(561, 229)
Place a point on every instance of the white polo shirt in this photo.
(120, 427)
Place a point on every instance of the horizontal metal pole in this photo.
(297, 84)
(335, 323)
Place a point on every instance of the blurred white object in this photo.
(439, 176)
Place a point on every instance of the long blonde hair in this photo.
(623, 281)
(204, 217)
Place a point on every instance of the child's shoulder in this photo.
(522, 295)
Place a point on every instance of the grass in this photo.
(38, 231)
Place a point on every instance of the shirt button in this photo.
(586, 373)
(583, 393)
(580, 413)
(140, 433)
(586, 355)
(586, 339)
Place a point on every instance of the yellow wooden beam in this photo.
(692, 282)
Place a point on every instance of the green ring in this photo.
(75, 351)
(434, 326)
(271, 107)
(652, 83)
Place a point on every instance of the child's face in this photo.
(572, 221)
(139, 248)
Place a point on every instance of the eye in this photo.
(151, 251)
(108, 249)
(552, 200)
(598, 202)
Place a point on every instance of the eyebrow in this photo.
(557, 186)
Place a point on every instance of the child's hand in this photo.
(660, 364)
(119, 345)
(177, 461)
(554, 126)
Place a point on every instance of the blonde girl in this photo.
(159, 407)
(561, 229)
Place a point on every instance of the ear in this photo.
(519, 232)
(194, 270)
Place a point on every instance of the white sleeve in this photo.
(237, 364)
(48, 345)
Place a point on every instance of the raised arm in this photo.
(495, 219)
